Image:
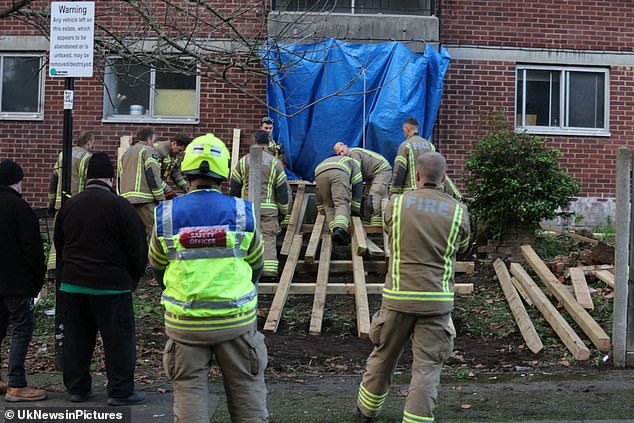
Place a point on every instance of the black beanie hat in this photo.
(10, 172)
(100, 166)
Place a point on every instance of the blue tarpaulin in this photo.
(333, 90)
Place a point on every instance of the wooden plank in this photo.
(235, 149)
(319, 302)
(580, 286)
(275, 313)
(467, 267)
(315, 236)
(524, 323)
(570, 234)
(308, 288)
(371, 266)
(295, 221)
(521, 291)
(561, 327)
(361, 294)
(386, 238)
(359, 234)
(589, 269)
(373, 249)
(591, 328)
(606, 276)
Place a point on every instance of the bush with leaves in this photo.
(515, 181)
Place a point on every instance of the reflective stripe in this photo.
(168, 228)
(137, 194)
(451, 247)
(82, 173)
(396, 235)
(210, 323)
(139, 170)
(413, 418)
(237, 303)
(411, 167)
(369, 400)
(206, 253)
(417, 295)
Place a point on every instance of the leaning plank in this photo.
(589, 269)
(321, 286)
(591, 328)
(361, 294)
(358, 232)
(567, 335)
(275, 313)
(315, 236)
(570, 234)
(295, 221)
(606, 276)
(521, 291)
(373, 249)
(269, 288)
(524, 323)
(235, 149)
(580, 286)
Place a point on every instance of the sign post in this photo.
(70, 55)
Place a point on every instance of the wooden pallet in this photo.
(365, 254)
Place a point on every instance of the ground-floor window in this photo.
(21, 82)
(157, 92)
(570, 100)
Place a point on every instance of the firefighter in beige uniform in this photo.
(425, 227)
(377, 174)
(339, 191)
(140, 177)
(273, 198)
(170, 155)
(79, 166)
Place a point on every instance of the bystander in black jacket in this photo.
(100, 240)
(22, 265)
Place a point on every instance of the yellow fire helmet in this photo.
(208, 156)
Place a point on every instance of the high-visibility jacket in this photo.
(404, 176)
(140, 175)
(208, 246)
(425, 227)
(273, 184)
(79, 167)
(371, 162)
(170, 165)
(352, 168)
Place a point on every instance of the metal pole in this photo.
(623, 165)
(69, 91)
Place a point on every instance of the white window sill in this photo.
(543, 130)
(150, 119)
(21, 116)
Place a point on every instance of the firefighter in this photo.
(273, 198)
(404, 177)
(80, 156)
(170, 155)
(206, 252)
(140, 177)
(425, 227)
(339, 191)
(377, 174)
(266, 124)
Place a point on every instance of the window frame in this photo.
(564, 98)
(355, 9)
(36, 116)
(176, 120)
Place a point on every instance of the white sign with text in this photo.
(72, 38)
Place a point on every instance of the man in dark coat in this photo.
(22, 276)
(101, 255)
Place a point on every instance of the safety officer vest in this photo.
(207, 279)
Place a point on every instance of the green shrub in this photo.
(515, 181)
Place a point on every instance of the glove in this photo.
(354, 210)
(281, 217)
(170, 195)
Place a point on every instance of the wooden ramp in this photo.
(309, 250)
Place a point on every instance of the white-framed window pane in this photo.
(21, 84)
(542, 97)
(128, 88)
(587, 100)
(174, 94)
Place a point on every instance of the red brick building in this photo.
(558, 69)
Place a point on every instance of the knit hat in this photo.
(10, 172)
(100, 166)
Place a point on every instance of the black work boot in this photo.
(340, 236)
(362, 418)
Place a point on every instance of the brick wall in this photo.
(583, 24)
(475, 90)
